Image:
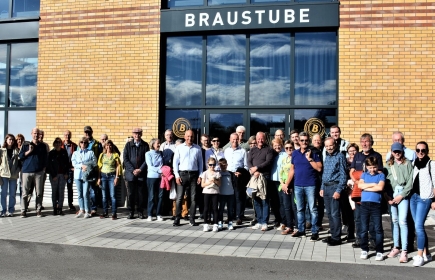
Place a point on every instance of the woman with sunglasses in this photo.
(83, 160)
(252, 142)
(215, 152)
(9, 171)
(399, 176)
(211, 182)
(286, 190)
(422, 199)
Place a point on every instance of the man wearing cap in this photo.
(136, 173)
(94, 190)
(187, 165)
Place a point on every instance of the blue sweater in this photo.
(154, 162)
(36, 161)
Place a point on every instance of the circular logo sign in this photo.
(313, 126)
(180, 126)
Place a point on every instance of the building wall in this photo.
(387, 70)
(99, 66)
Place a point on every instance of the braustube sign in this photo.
(251, 17)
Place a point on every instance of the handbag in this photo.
(173, 191)
(356, 192)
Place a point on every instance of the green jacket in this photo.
(404, 173)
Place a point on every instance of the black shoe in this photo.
(314, 237)
(173, 218)
(60, 213)
(326, 240)
(186, 218)
(141, 216)
(176, 222)
(356, 244)
(349, 238)
(333, 242)
(104, 215)
(308, 225)
(193, 224)
(72, 208)
(253, 222)
(239, 222)
(298, 234)
(130, 215)
(42, 208)
(55, 212)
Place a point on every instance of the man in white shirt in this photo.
(169, 141)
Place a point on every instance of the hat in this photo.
(137, 130)
(397, 146)
(88, 128)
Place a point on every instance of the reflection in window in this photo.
(21, 122)
(2, 121)
(327, 116)
(225, 2)
(268, 123)
(3, 49)
(184, 3)
(222, 125)
(269, 69)
(226, 64)
(194, 118)
(4, 9)
(25, 8)
(269, 1)
(24, 73)
(316, 68)
(184, 71)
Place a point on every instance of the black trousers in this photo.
(188, 186)
(211, 200)
(136, 195)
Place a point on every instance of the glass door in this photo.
(221, 123)
(269, 121)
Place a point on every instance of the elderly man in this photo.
(237, 163)
(340, 143)
(136, 173)
(260, 162)
(304, 169)
(241, 131)
(34, 160)
(187, 165)
(279, 134)
(333, 182)
(366, 144)
(103, 139)
(70, 147)
(169, 141)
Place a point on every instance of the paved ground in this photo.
(163, 237)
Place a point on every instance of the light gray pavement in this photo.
(163, 237)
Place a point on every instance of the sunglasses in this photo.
(83, 142)
(423, 151)
(289, 148)
(397, 152)
(303, 140)
(252, 143)
(210, 164)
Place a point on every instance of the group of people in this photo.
(296, 179)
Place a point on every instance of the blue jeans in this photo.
(288, 209)
(9, 187)
(261, 210)
(419, 210)
(57, 190)
(371, 212)
(155, 196)
(229, 201)
(83, 195)
(303, 196)
(108, 187)
(357, 218)
(399, 213)
(93, 191)
(333, 209)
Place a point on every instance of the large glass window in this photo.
(225, 2)
(21, 122)
(187, 3)
(2, 121)
(269, 69)
(179, 127)
(316, 68)
(226, 66)
(184, 3)
(184, 71)
(327, 116)
(4, 9)
(23, 75)
(25, 8)
(3, 57)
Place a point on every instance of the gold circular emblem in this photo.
(314, 126)
(180, 126)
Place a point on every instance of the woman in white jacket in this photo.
(9, 171)
(422, 199)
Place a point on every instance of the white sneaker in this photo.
(418, 261)
(215, 228)
(363, 255)
(87, 215)
(159, 218)
(230, 226)
(379, 257)
(256, 226)
(426, 258)
(220, 226)
(150, 219)
(80, 214)
(206, 228)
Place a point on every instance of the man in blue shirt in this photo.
(333, 182)
(304, 169)
(187, 165)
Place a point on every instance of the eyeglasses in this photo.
(289, 148)
(84, 142)
(211, 164)
(303, 140)
(397, 152)
(252, 143)
(423, 151)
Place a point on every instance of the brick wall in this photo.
(99, 66)
(387, 70)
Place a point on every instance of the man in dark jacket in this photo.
(136, 172)
(34, 159)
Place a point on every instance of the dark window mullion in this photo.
(10, 8)
(292, 69)
(247, 70)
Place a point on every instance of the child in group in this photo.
(372, 184)
(211, 182)
(226, 196)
